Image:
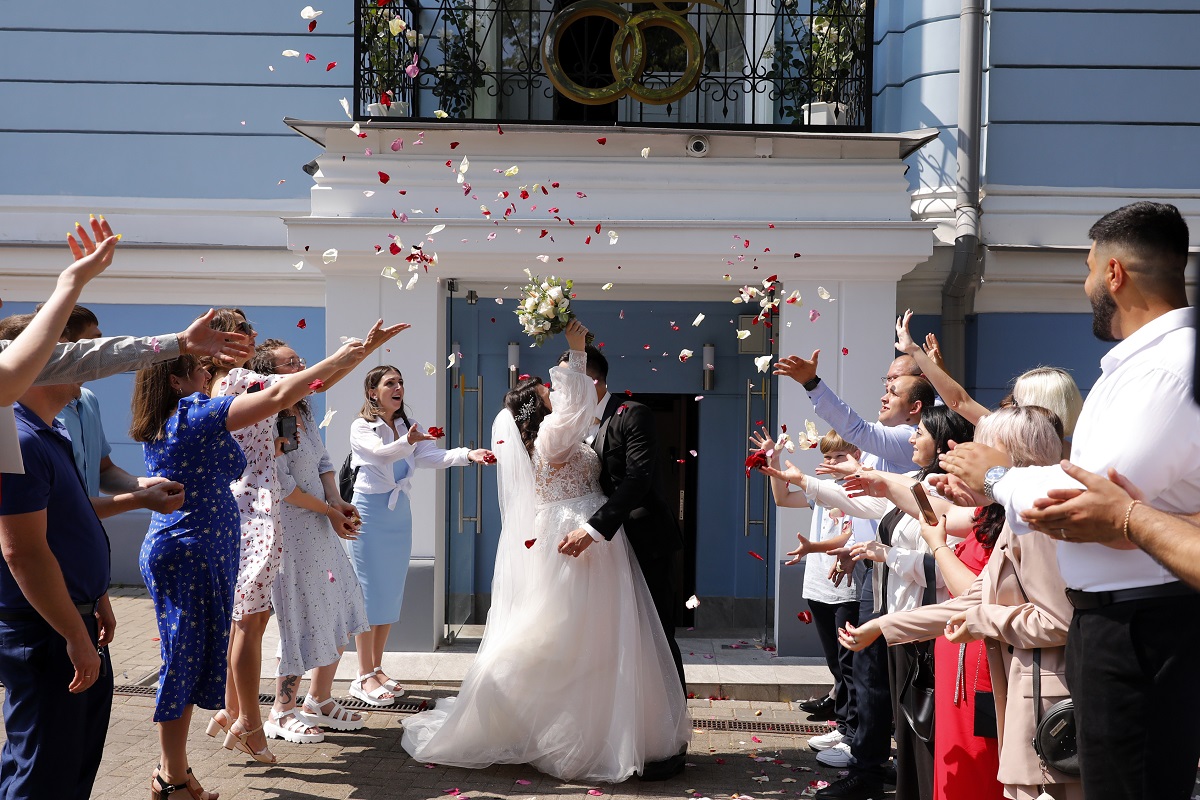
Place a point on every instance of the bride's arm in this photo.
(573, 401)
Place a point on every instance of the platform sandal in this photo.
(291, 728)
(392, 686)
(375, 698)
(339, 717)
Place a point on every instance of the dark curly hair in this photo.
(516, 398)
(263, 362)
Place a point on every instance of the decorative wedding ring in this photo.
(837, 567)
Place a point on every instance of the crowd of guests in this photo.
(993, 579)
(962, 580)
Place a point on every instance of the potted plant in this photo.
(460, 74)
(834, 41)
(391, 46)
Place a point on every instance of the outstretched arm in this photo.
(950, 390)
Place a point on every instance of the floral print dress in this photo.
(257, 492)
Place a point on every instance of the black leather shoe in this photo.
(664, 770)
(853, 787)
(819, 707)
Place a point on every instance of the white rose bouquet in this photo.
(544, 307)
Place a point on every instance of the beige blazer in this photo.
(1014, 623)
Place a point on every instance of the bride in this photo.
(573, 675)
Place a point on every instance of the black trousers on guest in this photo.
(914, 758)
(827, 618)
(871, 745)
(1133, 669)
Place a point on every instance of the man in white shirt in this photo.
(1133, 653)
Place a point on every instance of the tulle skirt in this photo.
(573, 675)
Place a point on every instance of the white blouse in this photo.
(374, 448)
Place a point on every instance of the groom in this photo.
(622, 434)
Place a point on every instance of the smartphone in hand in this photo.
(927, 514)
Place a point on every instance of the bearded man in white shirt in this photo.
(1133, 652)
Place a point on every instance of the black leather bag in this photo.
(1054, 736)
(347, 475)
(916, 698)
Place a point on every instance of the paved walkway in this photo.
(743, 748)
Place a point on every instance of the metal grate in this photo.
(402, 707)
(798, 728)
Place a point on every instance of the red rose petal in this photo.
(602, 140)
(544, 234)
(499, 130)
(453, 145)
(384, 177)
(628, 393)
(805, 617)
(394, 214)
(554, 185)
(845, 351)
(597, 227)
(394, 249)
(529, 543)
(756, 555)
(330, 65)
(312, 26)
(301, 324)
(436, 431)
(309, 57)
(756, 740)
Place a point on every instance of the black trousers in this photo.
(659, 572)
(827, 618)
(914, 758)
(871, 745)
(1133, 669)
(55, 738)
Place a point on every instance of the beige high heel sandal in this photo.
(238, 741)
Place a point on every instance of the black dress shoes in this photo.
(819, 707)
(665, 769)
(855, 786)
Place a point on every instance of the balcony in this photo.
(714, 64)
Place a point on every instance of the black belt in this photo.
(28, 614)
(1086, 601)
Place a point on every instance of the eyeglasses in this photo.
(887, 379)
(295, 362)
(245, 327)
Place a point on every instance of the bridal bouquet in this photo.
(544, 307)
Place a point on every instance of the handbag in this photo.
(917, 696)
(1054, 731)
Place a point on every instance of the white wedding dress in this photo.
(573, 675)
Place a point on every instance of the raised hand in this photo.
(576, 334)
(350, 354)
(798, 369)
(91, 257)
(842, 469)
(763, 441)
(792, 474)
(201, 340)
(953, 489)
(378, 336)
(934, 351)
(904, 340)
(802, 549)
(970, 462)
(866, 482)
(415, 434)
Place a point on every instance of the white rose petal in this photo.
(612, 237)
(291, 53)
(763, 363)
(513, 170)
(646, 154)
(821, 291)
(440, 114)
(299, 265)
(453, 359)
(685, 354)
(345, 104)
(329, 256)
(435, 229)
(328, 418)
(692, 602)
(309, 13)
(430, 369)
(606, 287)
(696, 322)
(412, 281)
(543, 259)
(743, 334)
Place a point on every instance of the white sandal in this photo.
(293, 730)
(339, 718)
(391, 685)
(375, 698)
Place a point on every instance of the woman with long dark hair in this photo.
(386, 447)
(189, 559)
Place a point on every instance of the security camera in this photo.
(311, 167)
(697, 146)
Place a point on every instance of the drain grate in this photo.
(798, 728)
(402, 707)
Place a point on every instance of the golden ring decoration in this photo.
(627, 55)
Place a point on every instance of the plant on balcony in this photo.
(814, 58)
(390, 45)
(460, 74)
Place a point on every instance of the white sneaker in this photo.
(836, 756)
(826, 740)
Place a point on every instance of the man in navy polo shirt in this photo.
(55, 617)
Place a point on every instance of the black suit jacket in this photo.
(628, 451)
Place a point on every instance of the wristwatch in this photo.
(991, 478)
(810, 385)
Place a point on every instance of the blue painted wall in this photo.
(723, 567)
(147, 320)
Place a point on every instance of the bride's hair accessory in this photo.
(527, 409)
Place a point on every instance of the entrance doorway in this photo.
(677, 423)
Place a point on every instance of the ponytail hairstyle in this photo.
(527, 409)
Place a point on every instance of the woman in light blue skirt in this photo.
(386, 447)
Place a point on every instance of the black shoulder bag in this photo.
(347, 475)
(1054, 731)
(917, 696)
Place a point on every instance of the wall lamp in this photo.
(710, 369)
(514, 363)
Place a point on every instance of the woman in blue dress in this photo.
(189, 559)
(386, 448)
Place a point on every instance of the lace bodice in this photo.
(578, 477)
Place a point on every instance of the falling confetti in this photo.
(291, 53)
(329, 256)
(328, 418)
(743, 334)
(606, 287)
(430, 369)
(696, 322)
(763, 363)
(692, 602)
(308, 13)
(684, 355)
(824, 294)
(814, 315)
(302, 324)
(645, 152)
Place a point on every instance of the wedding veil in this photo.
(518, 507)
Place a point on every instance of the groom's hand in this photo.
(575, 542)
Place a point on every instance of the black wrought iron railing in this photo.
(706, 63)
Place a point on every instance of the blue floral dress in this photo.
(189, 559)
